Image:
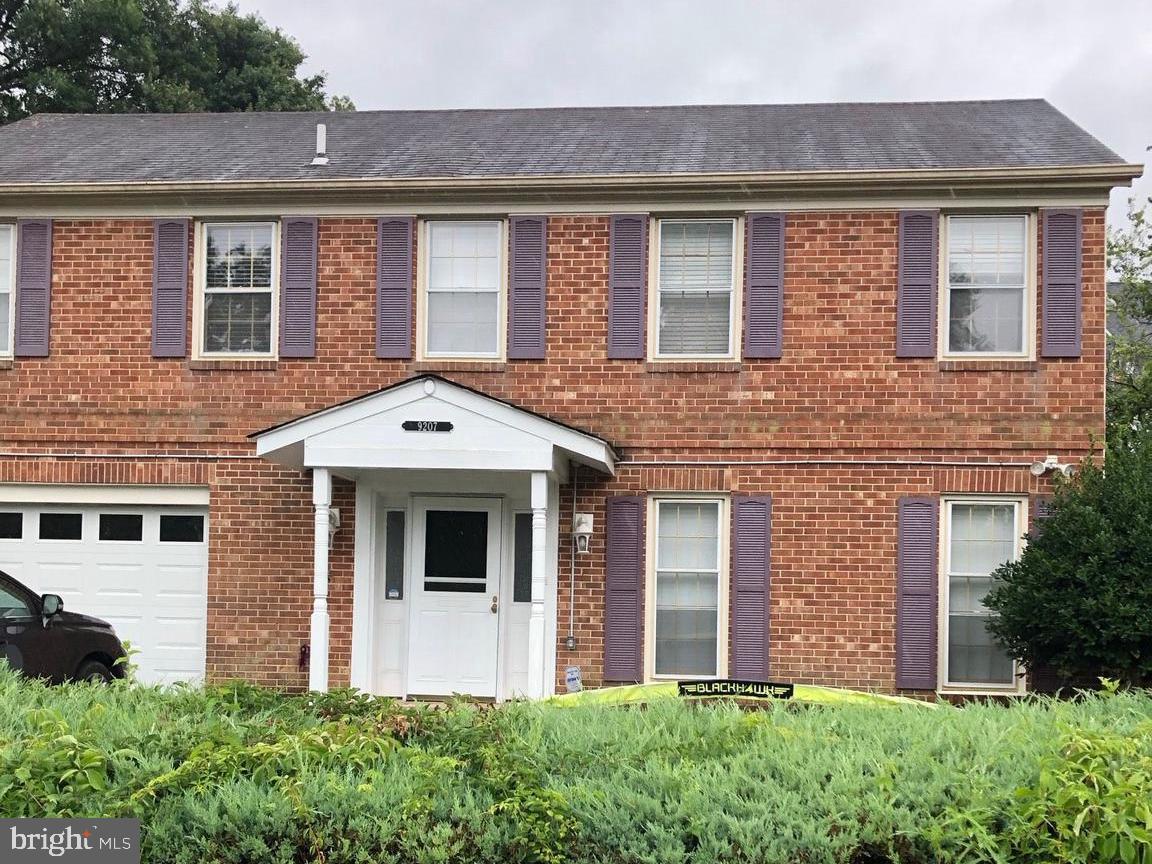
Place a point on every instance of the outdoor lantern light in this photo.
(582, 531)
(333, 524)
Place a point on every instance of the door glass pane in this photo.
(121, 526)
(177, 528)
(11, 526)
(687, 588)
(981, 538)
(60, 526)
(394, 555)
(456, 551)
(522, 563)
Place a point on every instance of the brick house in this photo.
(461, 399)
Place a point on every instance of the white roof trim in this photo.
(287, 443)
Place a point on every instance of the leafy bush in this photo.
(238, 774)
(1079, 598)
(1092, 803)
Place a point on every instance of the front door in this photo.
(453, 646)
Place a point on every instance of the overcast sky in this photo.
(1092, 60)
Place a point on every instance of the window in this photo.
(61, 526)
(464, 296)
(7, 287)
(695, 288)
(11, 526)
(238, 273)
(12, 605)
(987, 285)
(121, 526)
(687, 597)
(981, 535)
(177, 528)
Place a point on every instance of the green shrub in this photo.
(231, 774)
(1079, 598)
(1091, 803)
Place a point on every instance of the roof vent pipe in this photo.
(321, 157)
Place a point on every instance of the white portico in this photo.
(457, 536)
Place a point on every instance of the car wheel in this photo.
(94, 671)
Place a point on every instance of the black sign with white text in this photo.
(426, 426)
(736, 689)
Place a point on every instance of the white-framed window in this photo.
(462, 301)
(237, 271)
(695, 301)
(7, 288)
(979, 535)
(687, 595)
(988, 284)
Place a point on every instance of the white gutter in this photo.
(1103, 174)
(703, 463)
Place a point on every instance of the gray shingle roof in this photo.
(546, 142)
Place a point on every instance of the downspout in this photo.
(570, 641)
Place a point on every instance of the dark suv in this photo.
(40, 639)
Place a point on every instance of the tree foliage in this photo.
(1079, 598)
(117, 56)
(1130, 340)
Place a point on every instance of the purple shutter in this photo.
(33, 287)
(764, 324)
(528, 270)
(916, 594)
(916, 284)
(170, 288)
(623, 590)
(751, 569)
(1061, 282)
(298, 287)
(394, 288)
(627, 285)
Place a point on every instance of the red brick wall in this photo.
(838, 392)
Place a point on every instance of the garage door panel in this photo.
(154, 593)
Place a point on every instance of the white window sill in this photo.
(981, 691)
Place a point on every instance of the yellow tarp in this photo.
(804, 693)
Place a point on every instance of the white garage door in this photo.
(143, 569)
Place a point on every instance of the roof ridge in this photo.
(549, 108)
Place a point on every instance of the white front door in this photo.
(453, 643)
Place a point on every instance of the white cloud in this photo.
(1091, 60)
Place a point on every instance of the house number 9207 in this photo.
(426, 426)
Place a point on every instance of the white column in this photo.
(322, 502)
(536, 629)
